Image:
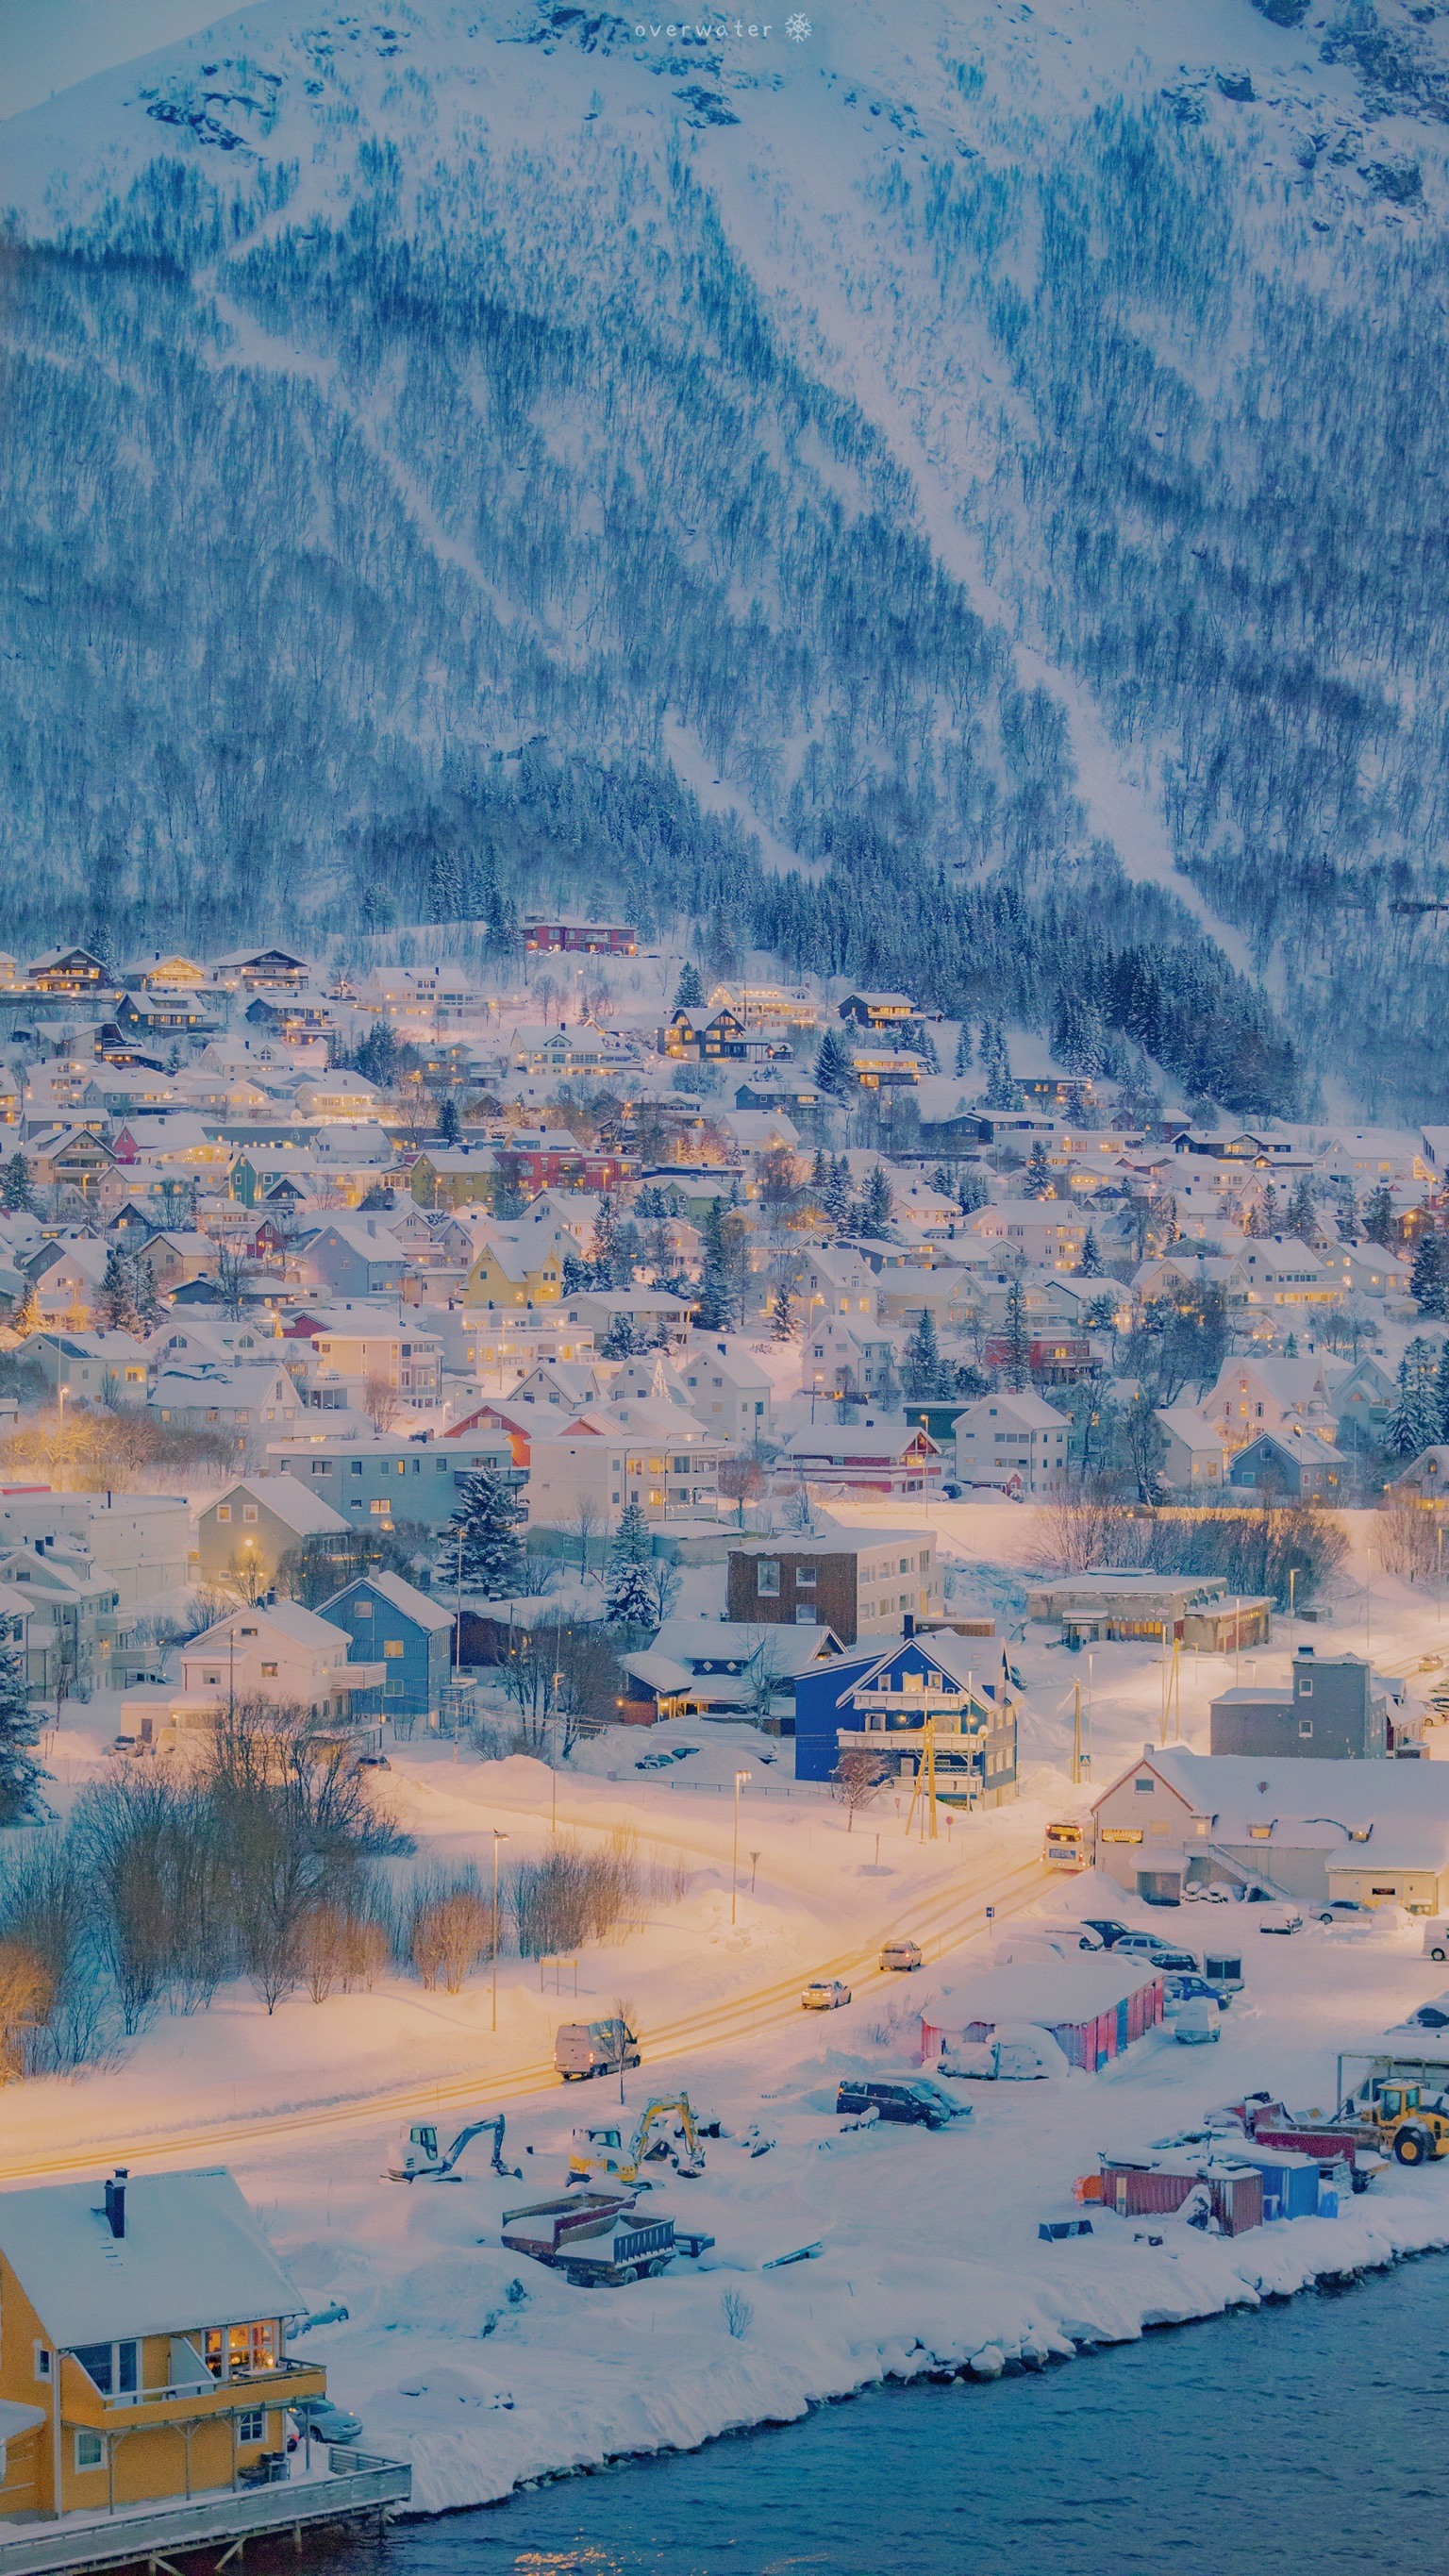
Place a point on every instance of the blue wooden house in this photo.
(392, 1623)
(879, 1702)
(1301, 1470)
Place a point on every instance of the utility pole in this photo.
(497, 1839)
(740, 1778)
(1077, 1738)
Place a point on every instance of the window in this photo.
(805, 1614)
(95, 2361)
(89, 2450)
(392, 1648)
(1305, 1726)
(251, 2426)
(269, 1672)
(768, 1578)
(381, 1506)
(223, 1511)
(805, 1578)
(1144, 1784)
(42, 2361)
(905, 1565)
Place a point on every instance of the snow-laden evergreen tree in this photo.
(876, 1203)
(923, 1373)
(1016, 1337)
(116, 1302)
(629, 1597)
(689, 991)
(450, 1125)
(1441, 1395)
(488, 1513)
(973, 1191)
(833, 1065)
(782, 1313)
(1347, 1219)
(1379, 1223)
(20, 1773)
(16, 1189)
(1413, 1426)
(1428, 1283)
(837, 1195)
(1036, 1180)
(603, 1244)
(1090, 1264)
(964, 1058)
(1302, 1216)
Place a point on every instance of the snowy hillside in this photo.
(455, 451)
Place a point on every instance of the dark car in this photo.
(1108, 1932)
(921, 2104)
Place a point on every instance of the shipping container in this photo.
(1223, 1968)
(1290, 2180)
(1155, 2191)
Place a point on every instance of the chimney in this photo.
(116, 2201)
(910, 1623)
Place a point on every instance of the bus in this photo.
(1067, 1846)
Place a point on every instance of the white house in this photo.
(1375, 1832)
(1018, 1442)
(1193, 1461)
(282, 1653)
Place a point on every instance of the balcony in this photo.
(351, 2483)
(280, 2383)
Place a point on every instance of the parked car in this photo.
(1204, 1892)
(1430, 2016)
(1197, 2022)
(1436, 1937)
(1108, 1932)
(824, 1994)
(1158, 1952)
(1070, 1936)
(1280, 1918)
(326, 2422)
(1343, 1909)
(585, 2048)
(901, 1954)
(1181, 1989)
(918, 2102)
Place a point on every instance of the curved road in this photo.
(940, 1922)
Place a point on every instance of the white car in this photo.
(1209, 1893)
(1279, 1918)
(824, 1994)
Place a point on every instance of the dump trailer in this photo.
(591, 2237)
(593, 2048)
(1336, 2143)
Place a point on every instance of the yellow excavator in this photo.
(665, 2133)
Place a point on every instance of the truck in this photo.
(584, 2048)
(594, 2238)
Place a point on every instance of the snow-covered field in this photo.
(929, 2253)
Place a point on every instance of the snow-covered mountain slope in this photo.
(989, 449)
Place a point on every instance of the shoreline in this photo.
(1109, 2302)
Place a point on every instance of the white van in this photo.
(1436, 1937)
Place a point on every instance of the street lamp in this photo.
(740, 1778)
(497, 1839)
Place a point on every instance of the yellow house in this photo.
(143, 2339)
(508, 1274)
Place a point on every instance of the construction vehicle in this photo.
(415, 2158)
(593, 2048)
(611, 2152)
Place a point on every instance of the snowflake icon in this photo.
(797, 28)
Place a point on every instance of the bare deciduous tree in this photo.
(857, 1777)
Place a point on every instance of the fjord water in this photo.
(1289, 2440)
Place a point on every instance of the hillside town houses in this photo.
(309, 1253)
